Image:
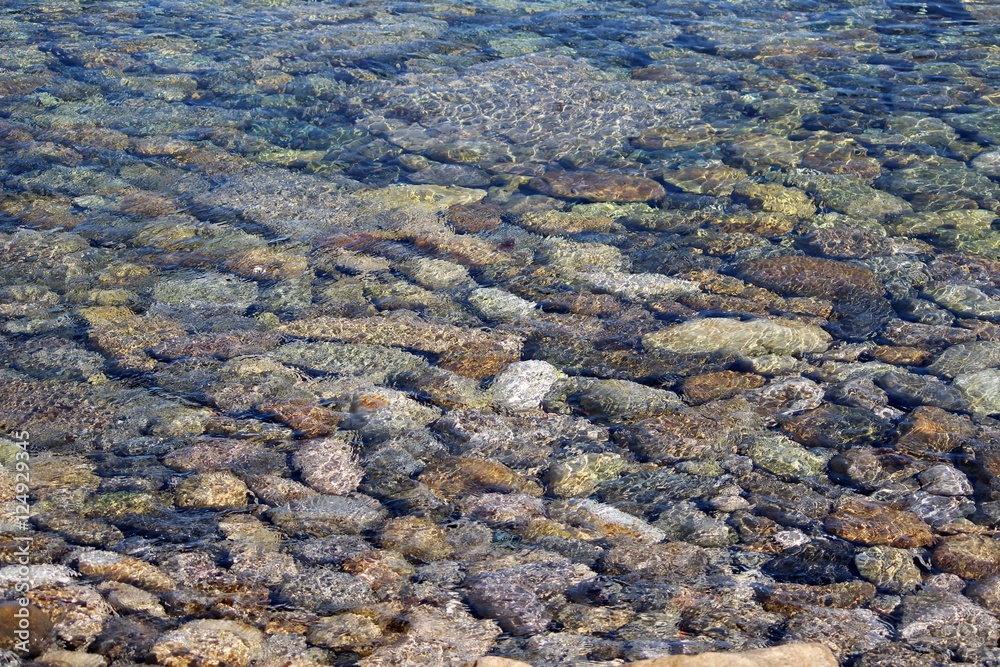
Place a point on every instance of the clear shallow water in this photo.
(572, 332)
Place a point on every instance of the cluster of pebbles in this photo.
(577, 333)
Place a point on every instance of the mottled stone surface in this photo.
(598, 186)
(750, 337)
(871, 523)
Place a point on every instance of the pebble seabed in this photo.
(570, 332)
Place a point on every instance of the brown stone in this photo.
(789, 655)
(470, 352)
(931, 430)
(39, 626)
(715, 180)
(307, 417)
(764, 223)
(870, 523)
(593, 186)
(474, 217)
(809, 276)
(458, 476)
(723, 384)
(968, 556)
(787, 599)
(902, 355)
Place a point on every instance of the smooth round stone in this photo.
(208, 293)
(982, 390)
(209, 642)
(947, 619)
(325, 591)
(594, 186)
(522, 385)
(966, 358)
(39, 626)
(964, 301)
(639, 286)
(126, 569)
(211, 490)
(492, 303)
(889, 568)
(782, 456)
(750, 338)
(328, 465)
(912, 390)
(986, 593)
(434, 273)
(988, 163)
(944, 480)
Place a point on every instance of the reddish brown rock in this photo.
(968, 556)
(902, 355)
(39, 626)
(458, 476)
(723, 384)
(593, 186)
(860, 307)
(307, 417)
(929, 430)
(870, 523)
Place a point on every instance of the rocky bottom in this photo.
(572, 333)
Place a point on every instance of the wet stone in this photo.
(322, 515)
(835, 426)
(869, 523)
(981, 390)
(707, 387)
(938, 511)
(207, 642)
(931, 430)
(860, 307)
(911, 390)
(944, 480)
(474, 217)
(985, 593)
(125, 569)
(871, 469)
(968, 556)
(621, 400)
(325, 591)
(846, 632)
(964, 301)
(946, 620)
(844, 243)
(889, 568)
(328, 466)
(211, 490)
(598, 187)
(780, 455)
(819, 561)
(522, 385)
(39, 628)
(685, 522)
(729, 336)
(677, 561)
